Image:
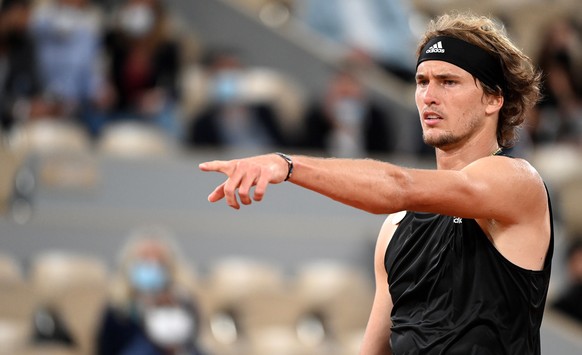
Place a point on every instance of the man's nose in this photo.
(431, 94)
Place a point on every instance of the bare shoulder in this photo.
(503, 164)
(523, 234)
(522, 173)
(388, 228)
(512, 178)
(503, 167)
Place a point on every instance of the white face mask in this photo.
(169, 326)
(137, 20)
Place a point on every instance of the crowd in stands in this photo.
(96, 64)
(72, 60)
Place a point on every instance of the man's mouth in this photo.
(431, 118)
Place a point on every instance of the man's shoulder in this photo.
(506, 166)
(390, 225)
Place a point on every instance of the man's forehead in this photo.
(439, 67)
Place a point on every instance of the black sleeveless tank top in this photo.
(454, 293)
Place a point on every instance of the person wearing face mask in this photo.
(346, 122)
(144, 66)
(151, 310)
(230, 119)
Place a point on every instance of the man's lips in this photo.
(431, 118)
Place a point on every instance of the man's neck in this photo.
(456, 158)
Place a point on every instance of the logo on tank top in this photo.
(457, 220)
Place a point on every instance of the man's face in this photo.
(450, 102)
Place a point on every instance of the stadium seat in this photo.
(10, 269)
(226, 300)
(75, 285)
(339, 295)
(50, 136)
(16, 308)
(133, 140)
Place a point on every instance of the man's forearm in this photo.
(366, 184)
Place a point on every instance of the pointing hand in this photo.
(243, 174)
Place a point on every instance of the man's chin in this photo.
(440, 142)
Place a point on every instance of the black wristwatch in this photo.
(289, 164)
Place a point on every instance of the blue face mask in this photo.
(226, 86)
(148, 277)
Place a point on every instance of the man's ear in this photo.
(494, 104)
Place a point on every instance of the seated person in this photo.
(229, 120)
(346, 122)
(150, 312)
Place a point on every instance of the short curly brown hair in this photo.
(522, 89)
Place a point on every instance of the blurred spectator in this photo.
(230, 119)
(68, 38)
(558, 117)
(374, 29)
(151, 310)
(346, 122)
(144, 65)
(20, 86)
(570, 301)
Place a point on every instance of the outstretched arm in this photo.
(492, 189)
(353, 182)
(480, 190)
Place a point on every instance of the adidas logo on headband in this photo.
(485, 66)
(436, 48)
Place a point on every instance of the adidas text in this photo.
(436, 48)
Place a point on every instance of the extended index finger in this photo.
(215, 165)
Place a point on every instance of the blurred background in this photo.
(107, 242)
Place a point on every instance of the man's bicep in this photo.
(501, 187)
(491, 188)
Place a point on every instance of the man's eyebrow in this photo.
(441, 76)
(447, 76)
